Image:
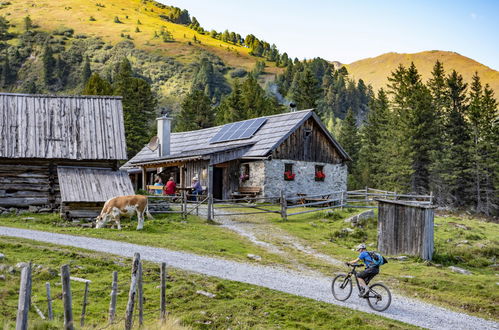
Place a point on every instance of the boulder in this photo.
(12, 210)
(254, 257)
(28, 218)
(399, 258)
(207, 294)
(33, 209)
(347, 230)
(460, 270)
(45, 210)
(407, 276)
(2, 277)
(2, 256)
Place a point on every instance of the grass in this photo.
(474, 248)
(236, 305)
(171, 232)
(51, 15)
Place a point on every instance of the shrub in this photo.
(92, 19)
(238, 73)
(117, 20)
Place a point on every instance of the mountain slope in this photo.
(375, 70)
(97, 18)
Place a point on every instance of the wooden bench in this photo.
(247, 192)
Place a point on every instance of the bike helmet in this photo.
(361, 246)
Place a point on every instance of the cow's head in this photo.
(101, 221)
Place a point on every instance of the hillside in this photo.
(375, 70)
(95, 18)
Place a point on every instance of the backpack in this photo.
(377, 258)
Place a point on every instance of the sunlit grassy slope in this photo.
(375, 70)
(49, 15)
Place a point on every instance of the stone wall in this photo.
(257, 174)
(304, 181)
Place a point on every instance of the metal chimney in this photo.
(164, 129)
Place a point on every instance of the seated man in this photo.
(371, 269)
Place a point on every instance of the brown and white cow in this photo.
(124, 206)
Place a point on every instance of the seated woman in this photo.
(170, 187)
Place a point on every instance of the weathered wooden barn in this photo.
(292, 152)
(61, 152)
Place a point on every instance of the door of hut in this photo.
(218, 181)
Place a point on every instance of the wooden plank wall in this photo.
(313, 146)
(50, 127)
(405, 229)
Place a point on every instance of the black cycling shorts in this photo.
(368, 274)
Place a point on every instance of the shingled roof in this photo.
(61, 127)
(273, 132)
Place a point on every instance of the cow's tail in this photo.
(148, 215)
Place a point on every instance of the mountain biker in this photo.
(371, 268)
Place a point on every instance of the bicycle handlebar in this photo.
(354, 265)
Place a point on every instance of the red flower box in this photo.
(320, 176)
(288, 176)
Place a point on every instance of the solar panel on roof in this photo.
(238, 131)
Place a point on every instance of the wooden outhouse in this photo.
(405, 228)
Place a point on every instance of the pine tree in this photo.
(374, 135)
(139, 105)
(47, 65)
(196, 112)
(307, 93)
(455, 164)
(4, 28)
(97, 86)
(349, 140)
(28, 23)
(231, 108)
(86, 72)
(6, 72)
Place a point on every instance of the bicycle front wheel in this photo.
(342, 287)
(379, 297)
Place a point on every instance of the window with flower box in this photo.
(319, 173)
(245, 175)
(288, 172)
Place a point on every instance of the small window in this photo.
(308, 131)
(319, 173)
(288, 172)
(245, 173)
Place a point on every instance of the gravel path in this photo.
(318, 288)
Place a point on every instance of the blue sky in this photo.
(347, 31)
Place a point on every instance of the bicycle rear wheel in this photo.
(379, 297)
(342, 287)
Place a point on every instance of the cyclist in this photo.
(371, 269)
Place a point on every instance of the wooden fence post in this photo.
(50, 314)
(184, 204)
(431, 197)
(84, 307)
(140, 296)
(114, 293)
(66, 298)
(163, 291)
(132, 293)
(284, 214)
(367, 197)
(210, 207)
(24, 298)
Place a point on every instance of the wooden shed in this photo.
(42, 134)
(405, 228)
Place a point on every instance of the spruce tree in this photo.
(307, 93)
(196, 112)
(28, 23)
(231, 108)
(48, 62)
(6, 72)
(86, 72)
(139, 105)
(97, 86)
(349, 140)
(455, 164)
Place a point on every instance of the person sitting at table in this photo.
(196, 187)
(157, 182)
(170, 187)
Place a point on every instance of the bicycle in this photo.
(379, 297)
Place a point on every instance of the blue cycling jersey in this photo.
(366, 258)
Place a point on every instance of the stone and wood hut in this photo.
(61, 152)
(292, 152)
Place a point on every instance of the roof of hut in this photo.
(268, 137)
(61, 127)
